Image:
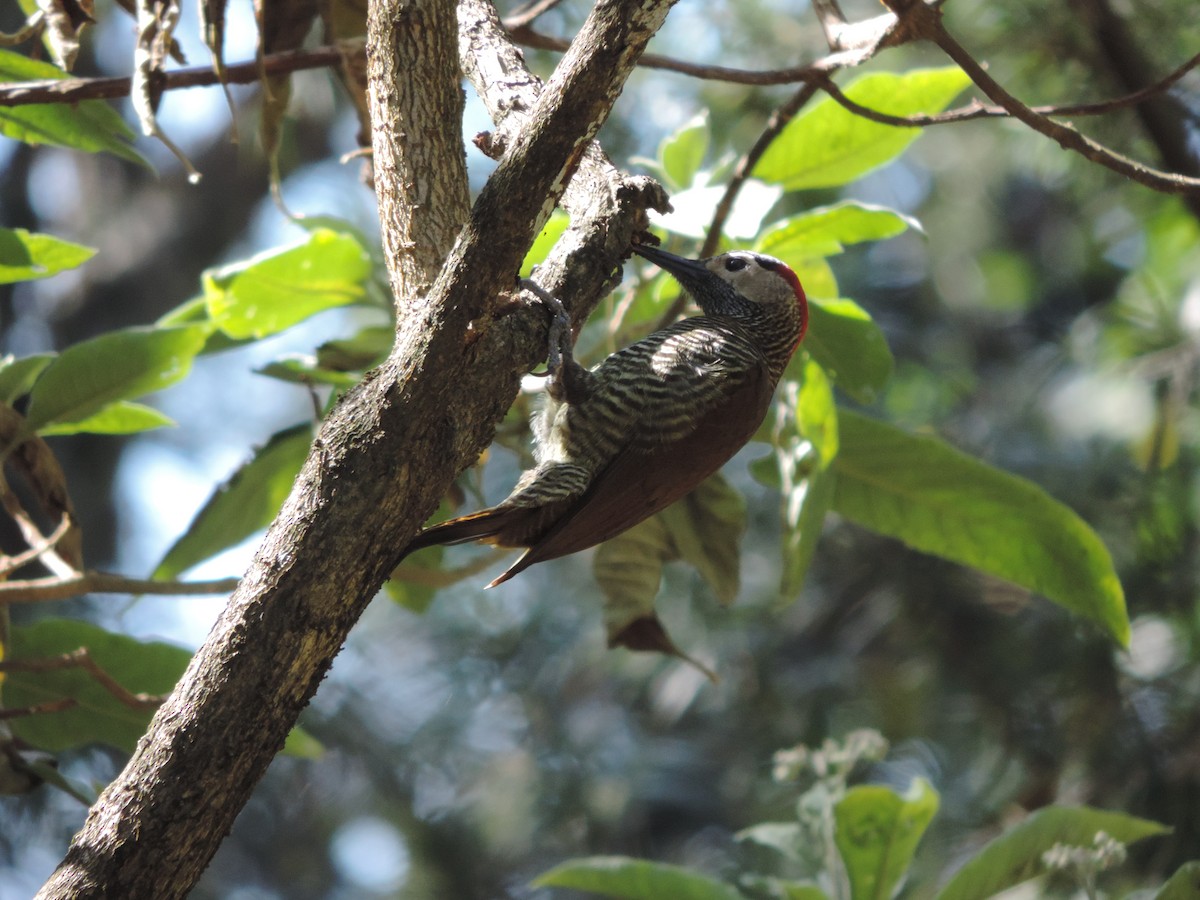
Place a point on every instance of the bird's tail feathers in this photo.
(485, 525)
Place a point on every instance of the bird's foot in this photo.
(567, 379)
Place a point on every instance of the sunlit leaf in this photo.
(245, 503)
(828, 146)
(545, 241)
(120, 365)
(941, 501)
(877, 832)
(122, 417)
(276, 290)
(303, 370)
(636, 879)
(90, 125)
(680, 154)
(17, 375)
(1183, 885)
(25, 255)
(1016, 855)
(693, 210)
(827, 230)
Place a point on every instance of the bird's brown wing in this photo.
(642, 480)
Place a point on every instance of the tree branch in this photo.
(44, 590)
(927, 22)
(74, 90)
(379, 466)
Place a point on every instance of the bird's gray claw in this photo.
(561, 346)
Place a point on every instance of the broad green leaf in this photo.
(122, 417)
(877, 832)
(704, 528)
(1016, 855)
(682, 153)
(17, 375)
(803, 432)
(636, 879)
(845, 340)
(759, 886)
(195, 312)
(826, 231)
(300, 369)
(87, 377)
(545, 241)
(941, 501)
(25, 255)
(245, 503)
(1183, 885)
(784, 837)
(828, 146)
(276, 290)
(140, 667)
(362, 350)
(90, 125)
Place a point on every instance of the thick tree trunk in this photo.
(389, 451)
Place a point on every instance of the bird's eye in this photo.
(734, 264)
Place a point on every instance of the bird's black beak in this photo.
(686, 270)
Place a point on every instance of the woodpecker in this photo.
(616, 444)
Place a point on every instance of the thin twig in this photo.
(73, 90)
(11, 564)
(82, 659)
(50, 706)
(42, 590)
(527, 12)
(33, 536)
(30, 29)
(930, 25)
(977, 110)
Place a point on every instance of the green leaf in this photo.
(783, 837)
(1016, 855)
(122, 417)
(817, 278)
(276, 290)
(545, 241)
(18, 375)
(682, 153)
(140, 667)
(87, 377)
(245, 503)
(803, 431)
(636, 879)
(25, 255)
(877, 832)
(1183, 885)
(826, 231)
(828, 146)
(941, 501)
(90, 125)
(299, 369)
(362, 350)
(845, 340)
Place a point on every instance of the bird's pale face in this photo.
(760, 279)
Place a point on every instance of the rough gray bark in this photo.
(388, 452)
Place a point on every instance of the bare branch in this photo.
(73, 90)
(11, 564)
(926, 21)
(44, 590)
(977, 110)
(527, 12)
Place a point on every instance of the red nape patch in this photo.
(788, 275)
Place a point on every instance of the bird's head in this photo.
(739, 283)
